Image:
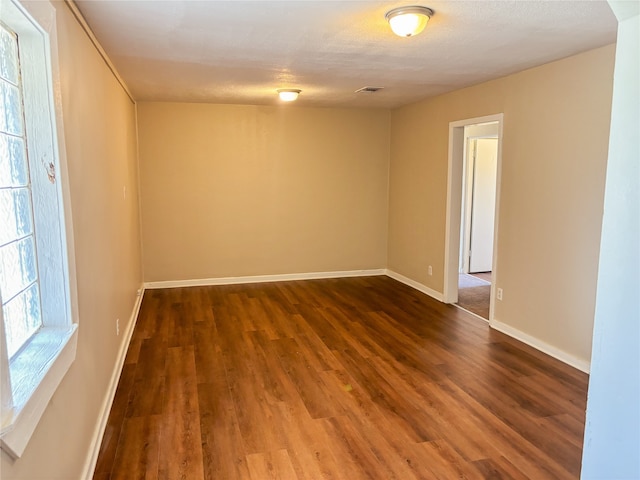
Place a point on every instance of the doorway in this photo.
(472, 202)
(478, 213)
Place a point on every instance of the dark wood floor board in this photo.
(392, 447)
(306, 380)
(115, 421)
(274, 465)
(564, 426)
(503, 402)
(307, 444)
(519, 360)
(247, 380)
(391, 340)
(278, 318)
(335, 293)
(223, 452)
(147, 316)
(208, 354)
(426, 321)
(391, 402)
(297, 296)
(358, 378)
(281, 302)
(568, 395)
(318, 353)
(196, 305)
(345, 330)
(259, 428)
(521, 410)
(465, 433)
(253, 316)
(180, 437)
(323, 329)
(180, 448)
(491, 387)
(445, 462)
(498, 468)
(544, 364)
(528, 457)
(354, 453)
(246, 310)
(179, 326)
(276, 381)
(133, 352)
(180, 394)
(442, 412)
(137, 455)
(146, 394)
(364, 411)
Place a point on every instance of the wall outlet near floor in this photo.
(117, 326)
(499, 294)
(430, 270)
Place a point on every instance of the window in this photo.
(37, 333)
(19, 285)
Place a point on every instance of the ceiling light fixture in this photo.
(288, 94)
(408, 21)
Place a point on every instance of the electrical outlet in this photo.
(430, 270)
(124, 192)
(499, 294)
(117, 326)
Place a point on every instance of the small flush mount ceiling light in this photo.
(408, 21)
(288, 94)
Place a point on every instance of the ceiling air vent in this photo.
(369, 89)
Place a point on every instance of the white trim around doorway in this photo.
(454, 206)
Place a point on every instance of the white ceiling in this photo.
(242, 51)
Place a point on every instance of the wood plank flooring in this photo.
(360, 378)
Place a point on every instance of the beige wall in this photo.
(556, 128)
(230, 190)
(99, 121)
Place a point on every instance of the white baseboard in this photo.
(105, 409)
(202, 282)
(412, 283)
(538, 344)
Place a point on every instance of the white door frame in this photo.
(454, 206)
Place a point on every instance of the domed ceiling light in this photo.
(408, 21)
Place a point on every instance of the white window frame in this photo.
(29, 381)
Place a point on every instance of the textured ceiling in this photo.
(241, 51)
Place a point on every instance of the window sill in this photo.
(35, 375)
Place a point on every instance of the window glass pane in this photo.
(8, 56)
(15, 214)
(18, 267)
(10, 109)
(13, 164)
(22, 318)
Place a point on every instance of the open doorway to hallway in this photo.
(477, 218)
(473, 191)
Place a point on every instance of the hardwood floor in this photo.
(361, 378)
